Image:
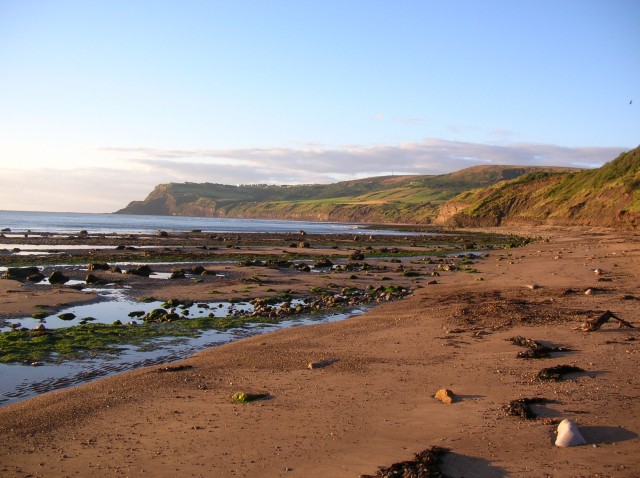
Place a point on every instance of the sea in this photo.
(20, 222)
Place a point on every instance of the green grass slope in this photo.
(409, 199)
(608, 196)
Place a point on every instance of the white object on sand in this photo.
(569, 435)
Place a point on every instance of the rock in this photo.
(320, 364)
(58, 277)
(20, 273)
(163, 234)
(67, 316)
(304, 245)
(98, 266)
(323, 263)
(115, 270)
(598, 272)
(589, 292)
(177, 274)
(144, 271)
(40, 327)
(445, 395)
(532, 286)
(6, 229)
(37, 277)
(569, 434)
(91, 279)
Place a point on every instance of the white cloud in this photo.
(133, 172)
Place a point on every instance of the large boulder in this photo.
(20, 273)
(144, 271)
(57, 277)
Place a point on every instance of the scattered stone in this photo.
(533, 286)
(67, 316)
(40, 327)
(598, 272)
(321, 364)
(589, 292)
(163, 234)
(569, 434)
(445, 395)
(356, 256)
(323, 263)
(98, 266)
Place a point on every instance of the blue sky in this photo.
(100, 101)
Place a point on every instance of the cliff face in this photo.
(386, 199)
(608, 196)
(478, 196)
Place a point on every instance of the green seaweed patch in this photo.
(26, 346)
(146, 299)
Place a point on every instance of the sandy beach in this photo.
(369, 402)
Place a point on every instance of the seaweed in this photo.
(556, 373)
(426, 464)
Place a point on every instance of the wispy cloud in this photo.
(430, 156)
(133, 172)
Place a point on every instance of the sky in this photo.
(102, 100)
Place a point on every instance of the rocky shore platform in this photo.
(342, 399)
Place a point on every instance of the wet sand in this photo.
(372, 403)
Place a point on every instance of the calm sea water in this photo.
(22, 221)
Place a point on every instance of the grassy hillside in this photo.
(607, 196)
(410, 199)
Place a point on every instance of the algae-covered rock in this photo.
(243, 397)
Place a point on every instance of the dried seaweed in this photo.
(556, 373)
(425, 465)
(521, 407)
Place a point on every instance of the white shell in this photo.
(569, 435)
